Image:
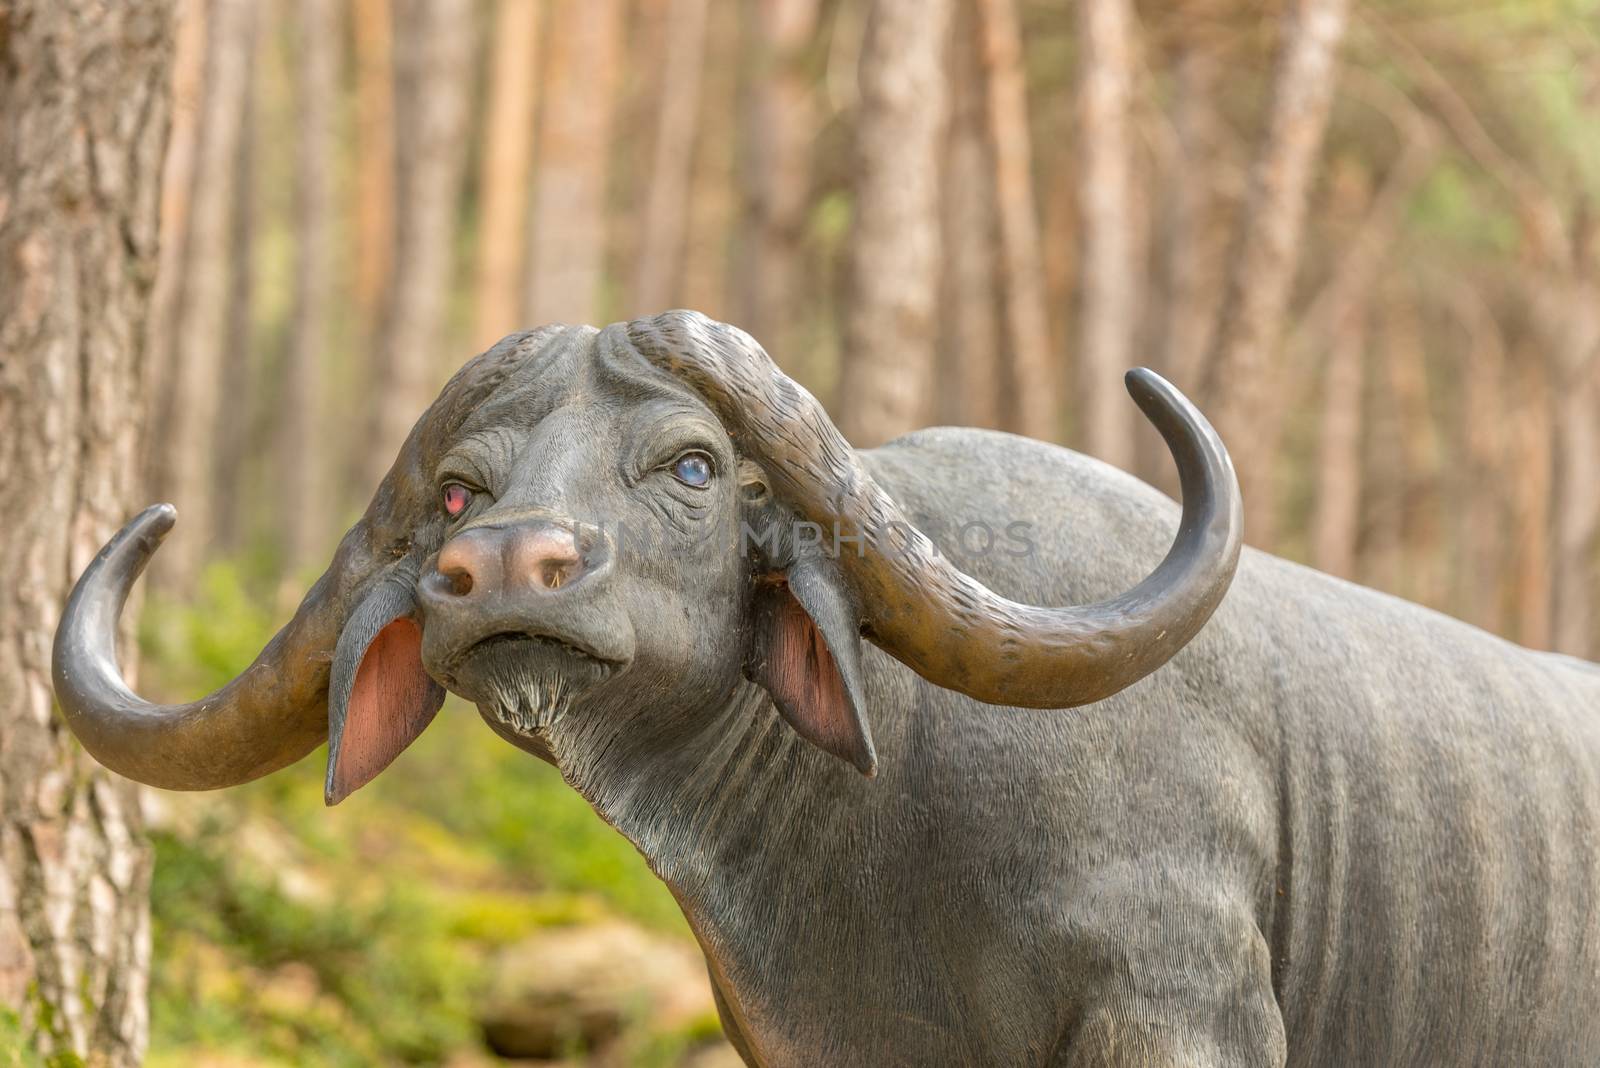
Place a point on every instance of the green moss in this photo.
(19, 1044)
(17, 1048)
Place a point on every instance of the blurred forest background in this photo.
(1362, 236)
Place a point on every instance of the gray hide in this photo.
(1335, 829)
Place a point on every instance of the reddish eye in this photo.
(456, 498)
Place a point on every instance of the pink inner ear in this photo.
(392, 701)
(802, 678)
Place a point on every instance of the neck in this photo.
(774, 850)
(729, 814)
(676, 801)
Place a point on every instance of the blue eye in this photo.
(693, 469)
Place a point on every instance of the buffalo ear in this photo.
(379, 698)
(807, 654)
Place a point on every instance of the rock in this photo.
(570, 989)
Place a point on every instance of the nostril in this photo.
(459, 581)
(554, 574)
(467, 563)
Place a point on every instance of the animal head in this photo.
(595, 536)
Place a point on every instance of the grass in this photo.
(287, 932)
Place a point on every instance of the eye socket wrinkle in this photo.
(468, 463)
(659, 444)
(652, 439)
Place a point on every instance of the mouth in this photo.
(522, 640)
(526, 681)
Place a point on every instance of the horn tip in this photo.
(158, 518)
(1142, 381)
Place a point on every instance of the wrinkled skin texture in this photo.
(1336, 829)
(1326, 804)
(555, 444)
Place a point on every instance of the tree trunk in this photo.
(235, 397)
(968, 388)
(1368, 223)
(1405, 358)
(1336, 521)
(1188, 251)
(1241, 388)
(1386, 477)
(567, 240)
(375, 161)
(1577, 513)
(83, 123)
(713, 208)
(779, 124)
(1061, 254)
(1573, 325)
(185, 473)
(658, 264)
(1030, 363)
(1530, 497)
(1106, 315)
(302, 466)
(433, 60)
(507, 164)
(1481, 484)
(177, 182)
(886, 379)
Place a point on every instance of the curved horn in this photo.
(270, 716)
(276, 711)
(946, 626)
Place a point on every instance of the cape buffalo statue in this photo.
(1328, 828)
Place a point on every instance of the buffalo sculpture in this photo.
(1327, 828)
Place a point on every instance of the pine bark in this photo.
(373, 25)
(968, 389)
(1061, 227)
(84, 110)
(779, 124)
(1030, 362)
(302, 465)
(1386, 477)
(713, 208)
(1336, 520)
(238, 415)
(1106, 314)
(1532, 457)
(187, 419)
(886, 385)
(1188, 251)
(507, 164)
(1242, 373)
(1420, 455)
(177, 179)
(1366, 225)
(1573, 316)
(567, 238)
(658, 263)
(1481, 484)
(433, 61)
